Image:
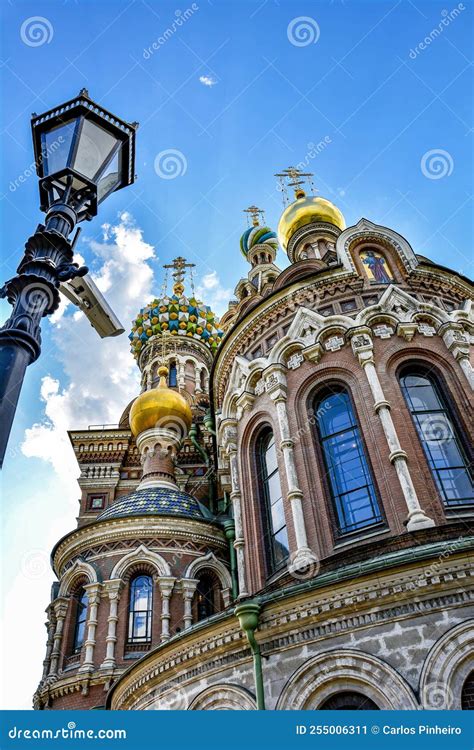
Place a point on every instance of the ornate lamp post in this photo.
(82, 153)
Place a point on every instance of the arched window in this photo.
(467, 693)
(273, 514)
(81, 448)
(173, 375)
(202, 379)
(81, 619)
(205, 597)
(140, 609)
(348, 701)
(439, 436)
(347, 469)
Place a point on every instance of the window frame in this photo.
(131, 613)
(266, 522)
(91, 496)
(80, 608)
(448, 409)
(325, 391)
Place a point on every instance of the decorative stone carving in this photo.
(426, 330)
(383, 331)
(295, 361)
(334, 343)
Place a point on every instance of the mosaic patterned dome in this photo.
(257, 236)
(155, 501)
(178, 316)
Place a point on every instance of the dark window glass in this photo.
(348, 473)
(439, 437)
(173, 376)
(140, 610)
(81, 619)
(348, 701)
(205, 597)
(275, 532)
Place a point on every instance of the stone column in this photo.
(181, 373)
(93, 597)
(197, 379)
(276, 387)
(166, 587)
(362, 346)
(113, 589)
(60, 606)
(188, 587)
(457, 341)
(50, 627)
(229, 427)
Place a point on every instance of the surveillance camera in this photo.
(83, 292)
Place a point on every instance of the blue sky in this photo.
(232, 92)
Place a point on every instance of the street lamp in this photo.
(82, 154)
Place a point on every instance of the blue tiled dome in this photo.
(157, 501)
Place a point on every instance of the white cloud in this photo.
(207, 80)
(213, 293)
(101, 373)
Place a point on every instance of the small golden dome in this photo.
(160, 407)
(304, 210)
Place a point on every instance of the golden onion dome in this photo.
(160, 407)
(305, 210)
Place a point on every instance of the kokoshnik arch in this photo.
(282, 517)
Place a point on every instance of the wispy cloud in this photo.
(212, 292)
(207, 80)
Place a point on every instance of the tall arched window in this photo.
(140, 609)
(273, 514)
(205, 597)
(173, 375)
(439, 436)
(81, 619)
(347, 469)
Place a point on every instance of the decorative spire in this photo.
(179, 267)
(294, 177)
(256, 214)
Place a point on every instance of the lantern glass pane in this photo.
(110, 179)
(95, 146)
(56, 146)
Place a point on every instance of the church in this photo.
(282, 518)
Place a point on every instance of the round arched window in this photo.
(348, 701)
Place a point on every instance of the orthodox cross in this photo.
(179, 267)
(255, 213)
(294, 177)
